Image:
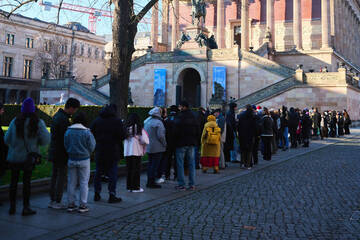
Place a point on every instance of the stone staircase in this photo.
(78, 88)
(268, 92)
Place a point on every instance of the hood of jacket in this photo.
(155, 112)
(78, 126)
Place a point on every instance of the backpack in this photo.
(213, 135)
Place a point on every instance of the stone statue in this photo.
(201, 39)
(184, 38)
(212, 42)
(198, 11)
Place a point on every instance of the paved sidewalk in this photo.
(54, 224)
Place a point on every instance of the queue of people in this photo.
(176, 143)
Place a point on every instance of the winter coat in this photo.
(17, 151)
(79, 142)
(230, 130)
(246, 130)
(200, 117)
(187, 130)
(306, 124)
(284, 120)
(109, 133)
(3, 152)
(293, 119)
(136, 145)
(267, 126)
(209, 150)
(316, 120)
(170, 131)
(59, 125)
(155, 128)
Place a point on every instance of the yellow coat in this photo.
(208, 150)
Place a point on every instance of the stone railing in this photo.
(267, 64)
(78, 88)
(268, 92)
(263, 50)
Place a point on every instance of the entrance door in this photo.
(191, 88)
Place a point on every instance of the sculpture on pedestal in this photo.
(198, 11)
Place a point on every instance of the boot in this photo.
(12, 209)
(216, 169)
(97, 197)
(204, 169)
(114, 199)
(28, 211)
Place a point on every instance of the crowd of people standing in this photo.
(176, 142)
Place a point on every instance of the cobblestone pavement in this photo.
(309, 197)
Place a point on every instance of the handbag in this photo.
(32, 158)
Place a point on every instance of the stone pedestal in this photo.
(193, 32)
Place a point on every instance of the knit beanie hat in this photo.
(28, 106)
(211, 118)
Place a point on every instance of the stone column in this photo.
(175, 24)
(245, 25)
(165, 23)
(220, 26)
(325, 38)
(18, 92)
(270, 21)
(155, 26)
(297, 26)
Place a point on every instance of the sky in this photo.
(103, 25)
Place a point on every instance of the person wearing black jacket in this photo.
(306, 124)
(293, 125)
(200, 116)
(255, 153)
(171, 142)
(109, 132)
(3, 147)
(267, 133)
(230, 131)
(57, 152)
(347, 122)
(187, 132)
(333, 123)
(284, 128)
(246, 134)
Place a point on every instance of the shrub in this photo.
(46, 112)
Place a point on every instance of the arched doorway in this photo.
(189, 88)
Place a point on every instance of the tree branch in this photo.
(19, 6)
(58, 13)
(143, 11)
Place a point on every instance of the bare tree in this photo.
(125, 23)
(53, 57)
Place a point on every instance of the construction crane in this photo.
(94, 13)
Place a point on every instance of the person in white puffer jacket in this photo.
(134, 149)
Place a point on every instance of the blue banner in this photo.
(219, 82)
(159, 87)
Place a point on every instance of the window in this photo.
(7, 71)
(10, 39)
(63, 49)
(74, 49)
(27, 68)
(62, 71)
(46, 70)
(89, 52)
(82, 50)
(47, 46)
(29, 43)
(96, 53)
(102, 54)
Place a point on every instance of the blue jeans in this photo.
(153, 166)
(187, 153)
(111, 173)
(284, 139)
(78, 170)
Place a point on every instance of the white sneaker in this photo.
(138, 191)
(59, 206)
(159, 180)
(51, 204)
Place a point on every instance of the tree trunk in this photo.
(124, 31)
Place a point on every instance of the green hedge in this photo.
(46, 112)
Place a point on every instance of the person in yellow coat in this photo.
(210, 145)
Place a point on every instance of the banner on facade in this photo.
(219, 82)
(159, 87)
